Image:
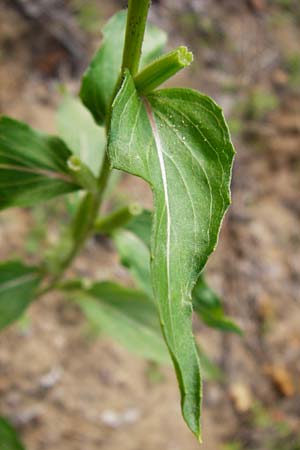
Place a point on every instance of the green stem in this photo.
(80, 229)
(135, 30)
(104, 174)
(83, 224)
(162, 69)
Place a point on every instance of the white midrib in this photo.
(160, 155)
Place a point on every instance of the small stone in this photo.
(281, 379)
(51, 378)
(241, 397)
(114, 419)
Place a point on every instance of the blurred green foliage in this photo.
(291, 64)
(258, 104)
(200, 26)
(234, 445)
(88, 15)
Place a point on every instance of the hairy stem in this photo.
(134, 36)
(135, 30)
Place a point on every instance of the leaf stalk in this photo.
(117, 219)
(82, 174)
(156, 73)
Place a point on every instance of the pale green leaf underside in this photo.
(131, 244)
(99, 81)
(33, 165)
(78, 129)
(17, 289)
(177, 141)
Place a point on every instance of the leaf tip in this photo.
(199, 437)
(196, 432)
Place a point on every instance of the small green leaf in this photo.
(133, 245)
(78, 129)
(99, 81)
(18, 285)
(33, 165)
(208, 305)
(136, 257)
(9, 439)
(209, 369)
(177, 141)
(141, 226)
(126, 315)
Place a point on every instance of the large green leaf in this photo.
(99, 81)
(9, 439)
(177, 141)
(18, 285)
(126, 315)
(131, 245)
(33, 165)
(78, 129)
